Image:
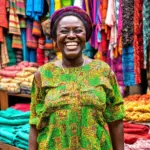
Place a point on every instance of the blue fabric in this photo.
(128, 66)
(25, 49)
(32, 55)
(52, 7)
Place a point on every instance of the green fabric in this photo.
(13, 122)
(11, 113)
(6, 141)
(65, 3)
(73, 105)
(6, 134)
(24, 147)
(22, 135)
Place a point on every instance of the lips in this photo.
(71, 45)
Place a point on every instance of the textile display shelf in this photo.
(8, 147)
(4, 98)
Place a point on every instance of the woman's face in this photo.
(71, 37)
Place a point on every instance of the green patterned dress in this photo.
(73, 105)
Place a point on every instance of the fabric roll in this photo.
(49, 44)
(66, 3)
(52, 7)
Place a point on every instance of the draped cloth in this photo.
(146, 28)
(14, 26)
(4, 53)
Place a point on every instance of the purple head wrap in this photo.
(68, 11)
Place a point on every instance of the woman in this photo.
(72, 99)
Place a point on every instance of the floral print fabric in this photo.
(73, 105)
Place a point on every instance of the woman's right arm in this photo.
(33, 145)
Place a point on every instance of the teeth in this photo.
(71, 44)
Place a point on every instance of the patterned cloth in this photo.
(146, 28)
(73, 105)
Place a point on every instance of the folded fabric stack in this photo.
(137, 108)
(14, 127)
(18, 78)
(134, 134)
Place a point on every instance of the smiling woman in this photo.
(73, 98)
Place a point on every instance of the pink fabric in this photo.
(22, 107)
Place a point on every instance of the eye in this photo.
(64, 31)
(78, 30)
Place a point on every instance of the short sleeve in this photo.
(35, 96)
(114, 101)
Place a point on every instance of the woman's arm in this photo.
(117, 134)
(33, 145)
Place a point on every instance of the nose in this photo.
(71, 35)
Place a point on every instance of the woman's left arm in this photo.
(117, 134)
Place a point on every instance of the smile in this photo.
(71, 45)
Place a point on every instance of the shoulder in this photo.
(101, 67)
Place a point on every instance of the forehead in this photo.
(70, 21)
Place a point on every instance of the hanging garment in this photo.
(1, 35)
(4, 53)
(3, 14)
(146, 28)
(16, 42)
(20, 7)
(14, 27)
(127, 15)
(57, 4)
(78, 3)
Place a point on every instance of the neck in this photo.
(68, 63)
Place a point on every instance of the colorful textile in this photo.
(20, 7)
(127, 16)
(128, 66)
(31, 41)
(73, 105)
(57, 4)
(138, 40)
(1, 35)
(73, 10)
(16, 42)
(78, 3)
(146, 28)
(3, 14)
(36, 29)
(14, 26)
(4, 53)
(22, 22)
(66, 3)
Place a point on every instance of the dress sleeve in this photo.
(114, 101)
(35, 96)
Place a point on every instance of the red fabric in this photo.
(3, 18)
(22, 107)
(1, 35)
(135, 128)
(129, 138)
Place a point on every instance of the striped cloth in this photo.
(16, 42)
(4, 53)
(20, 7)
(14, 27)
